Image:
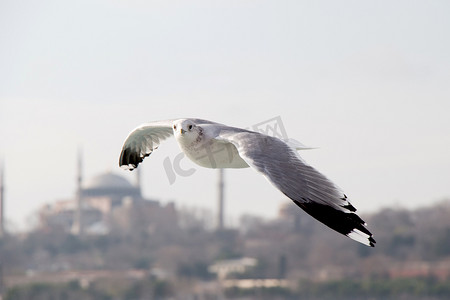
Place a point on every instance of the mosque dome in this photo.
(107, 181)
(109, 184)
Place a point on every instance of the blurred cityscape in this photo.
(109, 242)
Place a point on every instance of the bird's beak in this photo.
(182, 130)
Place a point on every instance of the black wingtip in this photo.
(348, 206)
(130, 160)
(346, 223)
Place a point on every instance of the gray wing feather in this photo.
(285, 169)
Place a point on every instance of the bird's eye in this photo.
(175, 127)
(189, 127)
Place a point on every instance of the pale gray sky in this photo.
(366, 81)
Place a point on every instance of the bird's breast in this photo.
(213, 154)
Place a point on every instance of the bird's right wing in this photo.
(141, 142)
(279, 162)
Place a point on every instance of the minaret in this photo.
(138, 180)
(77, 227)
(2, 200)
(220, 221)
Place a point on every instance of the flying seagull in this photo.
(214, 145)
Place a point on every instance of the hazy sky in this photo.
(366, 81)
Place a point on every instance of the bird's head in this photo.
(186, 130)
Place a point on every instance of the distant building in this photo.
(224, 267)
(101, 200)
(108, 191)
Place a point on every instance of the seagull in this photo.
(214, 145)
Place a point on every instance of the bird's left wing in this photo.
(141, 142)
(280, 163)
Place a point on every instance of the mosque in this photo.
(108, 202)
(99, 201)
